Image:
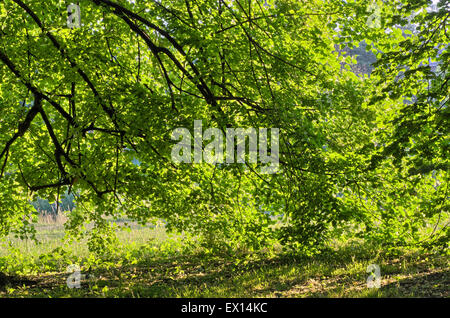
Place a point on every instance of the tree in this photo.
(415, 134)
(405, 186)
(80, 106)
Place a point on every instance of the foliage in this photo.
(80, 107)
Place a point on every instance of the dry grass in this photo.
(52, 219)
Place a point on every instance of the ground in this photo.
(149, 263)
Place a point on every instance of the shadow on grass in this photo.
(14, 280)
(340, 273)
(424, 284)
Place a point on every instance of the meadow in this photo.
(149, 262)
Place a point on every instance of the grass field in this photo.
(150, 263)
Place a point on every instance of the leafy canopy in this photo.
(80, 107)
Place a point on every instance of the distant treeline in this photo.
(66, 203)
